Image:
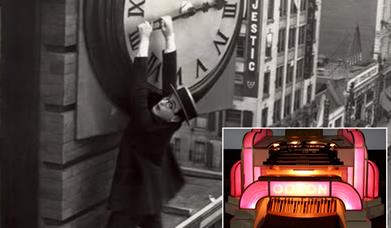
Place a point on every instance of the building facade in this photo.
(288, 50)
(382, 53)
(286, 43)
(382, 46)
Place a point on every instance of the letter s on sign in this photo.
(254, 28)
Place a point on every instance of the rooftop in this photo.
(197, 194)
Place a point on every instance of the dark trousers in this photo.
(124, 219)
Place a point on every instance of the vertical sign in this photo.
(310, 38)
(251, 72)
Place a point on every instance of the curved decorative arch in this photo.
(357, 138)
(236, 183)
(347, 194)
(373, 180)
(253, 193)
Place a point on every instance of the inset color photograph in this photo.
(281, 178)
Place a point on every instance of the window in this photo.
(201, 121)
(292, 37)
(177, 148)
(300, 69)
(370, 95)
(293, 7)
(289, 73)
(279, 76)
(303, 5)
(264, 117)
(268, 52)
(233, 118)
(266, 84)
(240, 46)
(283, 8)
(297, 100)
(247, 119)
(270, 11)
(269, 44)
(238, 84)
(309, 93)
(338, 122)
(277, 111)
(212, 121)
(287, 109)
(301, 35)
(281, 40)
(198, 156)
(238, 118)
(309, 67)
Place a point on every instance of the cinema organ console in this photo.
(304, 178)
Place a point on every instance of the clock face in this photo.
(204, 41)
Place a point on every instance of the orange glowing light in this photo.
(304, 172)
(301, 172)
(276, 144)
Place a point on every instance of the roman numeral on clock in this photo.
(223, 40)
(200, 66)
(136, 9)
(230, 10)
(153, 66)
(134, 39)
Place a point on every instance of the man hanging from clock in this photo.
(147, 174)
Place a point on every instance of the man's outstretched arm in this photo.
(169, 56)
(139, 91)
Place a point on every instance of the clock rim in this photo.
(108, 53)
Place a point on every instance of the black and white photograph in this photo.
(287, 178)
(112, 111)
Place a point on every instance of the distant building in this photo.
(382, 53)
(351, 92)
(199, 144)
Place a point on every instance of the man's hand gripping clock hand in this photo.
(144, 30)
(168, 33)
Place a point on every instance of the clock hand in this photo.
(218, 4)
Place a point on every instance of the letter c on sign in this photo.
(251, 66)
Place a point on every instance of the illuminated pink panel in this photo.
(257, 172)
(373, 180)
(251, 138)
(248, 139)
(248, 172)
(347, 194)
(299, 188)
(261, 135)
(359, 140)
(346, 134)
(252, 194)
(359, 170)
(350, 175)
(370, 183)
(236, 185)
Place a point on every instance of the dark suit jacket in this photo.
(147, 174)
